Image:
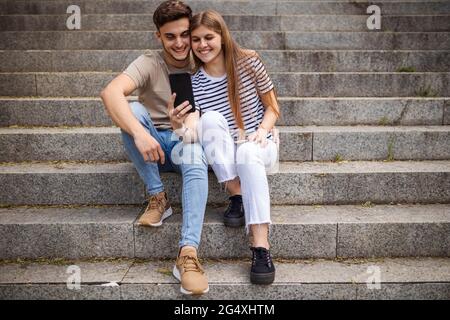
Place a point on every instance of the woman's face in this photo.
(206, 44)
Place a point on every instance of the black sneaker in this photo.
(263, 270)
(234, 215)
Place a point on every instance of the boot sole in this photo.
(234, 222)
(177, 276)
(262, 278)
(165, 215)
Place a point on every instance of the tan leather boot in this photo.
(157, 210)
(190, 273)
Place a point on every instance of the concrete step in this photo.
(401, 278)
(274, 60)
(364, 143)
(274, 40)
(294, 111)
(292, 84)
(227, 7)
(295, 183)
(297, 232)
(296, 143)
(363, 111)
(144, 22)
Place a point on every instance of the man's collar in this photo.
(172, 63)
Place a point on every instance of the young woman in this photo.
(238, 107)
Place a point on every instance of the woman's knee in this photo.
(247, 153)
(212, 126)
(212, 119)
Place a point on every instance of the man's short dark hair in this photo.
(169, 11)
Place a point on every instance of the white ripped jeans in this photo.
(249, 161)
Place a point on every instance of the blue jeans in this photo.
(187, 159)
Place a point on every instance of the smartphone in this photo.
(181, 84)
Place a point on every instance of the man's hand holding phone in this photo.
(181, 103)
(180, 83)
(179, 114)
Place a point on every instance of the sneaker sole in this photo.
(234, 222)
(165, 215)
(262, 278)
(177, 275)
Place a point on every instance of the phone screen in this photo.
(180, 83)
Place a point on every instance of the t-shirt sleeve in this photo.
(195, 90)
(263, 82)
(140, 70)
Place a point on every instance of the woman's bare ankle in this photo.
(233, 187)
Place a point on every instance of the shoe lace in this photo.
(190, 264)
(261, 256)
(155, 202)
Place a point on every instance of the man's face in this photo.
(175, 38)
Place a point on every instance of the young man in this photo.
(148, 128)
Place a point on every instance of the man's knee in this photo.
(139, 112)
(190, 153)
(196, 153)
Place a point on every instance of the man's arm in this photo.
(114, 99)
(116, 104)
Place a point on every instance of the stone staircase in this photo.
(364, 177)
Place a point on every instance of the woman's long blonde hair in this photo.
(232, 52)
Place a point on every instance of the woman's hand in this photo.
(259, 136)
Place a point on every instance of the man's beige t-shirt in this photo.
(150, 73)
